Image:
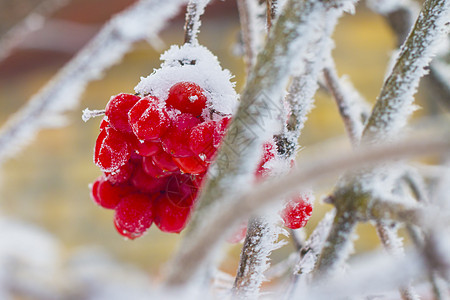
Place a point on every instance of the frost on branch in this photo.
(394, 104)
(140, 21)
(251, 126)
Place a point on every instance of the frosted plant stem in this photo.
(352, 122)
(394, 103)
(272, 7)
(394, 247)
(237, 159)
(388, 116)
(145, 18)
(194, 10)
(250, 31)
(33, 22)
(260, 241)
(211, 231)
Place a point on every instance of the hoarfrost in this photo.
(140, 21)
(192, 63)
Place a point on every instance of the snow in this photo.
(206, 72)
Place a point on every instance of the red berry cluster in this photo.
(154, 155)
(296, 211)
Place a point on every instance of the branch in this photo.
(194, 11)
(193, 254)
(253, 123)
(143, 19)
(394, 103)
(349, 108)
(252, 34)
(31, 23)
(352, 196)
(261, 240)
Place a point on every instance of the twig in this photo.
(352, 122)
(194, 10)
(250, 31)
(272, 10)
(63, 91)
(394, 103)
(207, 237)
(260, 241)
(238, 157)
(387, 118)
(33, 22)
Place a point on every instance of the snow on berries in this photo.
(156, 146)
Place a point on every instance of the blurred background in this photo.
(46, 183)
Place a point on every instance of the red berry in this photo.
(181, 190)
(111, 150)
(170, 217)
(187, 97)
(122, 174)
(148, 120)
(94, 189)
(176, 140)
(146, 183)
(134, 215)
(146, 148)
(269, 152)
(296, 213)
(104, 123)
(165, 162)
(117, 111)
(201, 140)
(153, 170)
(220, 130)
(192, 164)
(110, 195)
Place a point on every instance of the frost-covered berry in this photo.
(165, 162)
(134, 215)
(170, 217)
(146, 148)
(176, 140)
(220, 130)
(297, 212)
(187, 97)
(153, 170)
(122, 174)
(182, 190)
(111, 150)
(191, 165)
(109, 195)
(147, 119)
(201, 140)
(117, 111)
(146, 183)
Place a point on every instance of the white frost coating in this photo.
(395, 102)
(206, 72)
(63, 91)
(88, 114)
(261, 245)
(387, 6)
(314, 244)
(194, 11)
(357, 105)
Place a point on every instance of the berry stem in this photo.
(89, 114)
